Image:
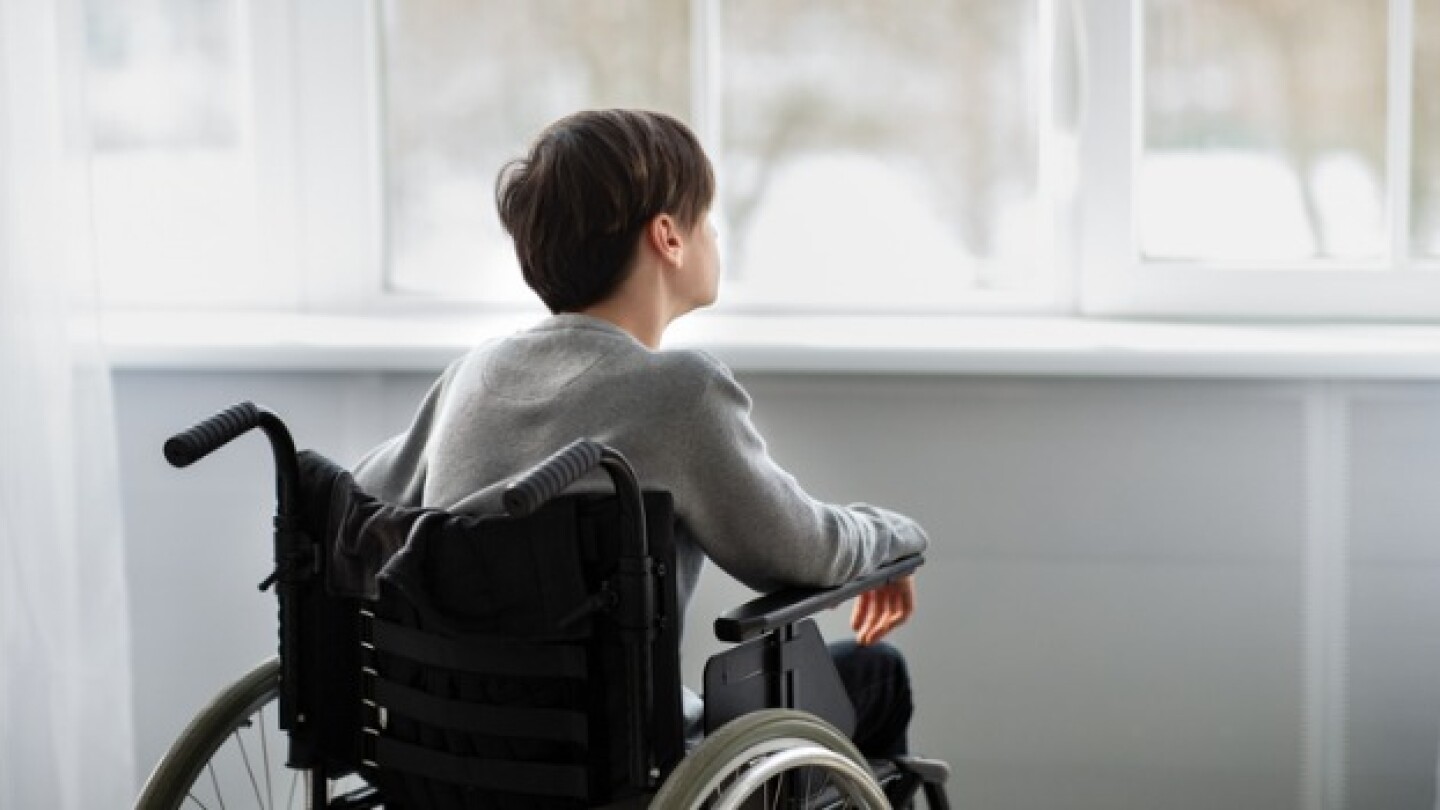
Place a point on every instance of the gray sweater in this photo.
(678, 416)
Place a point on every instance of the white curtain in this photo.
(66, 734)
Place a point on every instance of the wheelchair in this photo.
(429, 659)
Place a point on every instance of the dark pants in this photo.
(879, 686)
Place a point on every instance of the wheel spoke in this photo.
(248, 769)
(191, 797)
(219, 797)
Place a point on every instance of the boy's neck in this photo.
(646, 324)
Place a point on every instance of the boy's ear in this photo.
(664, 237)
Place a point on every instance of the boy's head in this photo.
(578, 202)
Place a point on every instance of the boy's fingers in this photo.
(875, 627)
(881, 610)
(893, 613)
(863, 614)
(874, 618)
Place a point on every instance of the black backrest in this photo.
(494, 668)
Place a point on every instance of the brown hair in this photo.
(576, 204)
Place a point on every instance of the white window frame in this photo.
(331, 100)
(1115, 279)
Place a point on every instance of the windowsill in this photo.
(962, 345)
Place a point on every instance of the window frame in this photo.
(334, 92)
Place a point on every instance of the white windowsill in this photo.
(960, 345)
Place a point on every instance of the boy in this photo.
(608, 213)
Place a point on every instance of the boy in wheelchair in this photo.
(449, 656)
(609, 217)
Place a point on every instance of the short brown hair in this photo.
(576, 204)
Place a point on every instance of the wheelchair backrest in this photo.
(490, 662)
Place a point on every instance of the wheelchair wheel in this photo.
(232, 755)
(773, 758)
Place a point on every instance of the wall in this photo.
(1142, 593)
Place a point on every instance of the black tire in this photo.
(769, 745)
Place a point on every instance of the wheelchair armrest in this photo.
(765, 613)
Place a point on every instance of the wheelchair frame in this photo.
(770, 650)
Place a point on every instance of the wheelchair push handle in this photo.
(197, 442)
(550, 477)
(191, 445)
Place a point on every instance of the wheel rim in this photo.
(232, 755)
(772, 759)
(761, 780)
(247, 769)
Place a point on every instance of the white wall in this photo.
(1142, 593)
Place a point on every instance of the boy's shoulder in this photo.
(710, 386)
(696, 362)
(694, 369)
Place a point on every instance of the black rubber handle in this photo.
(189, 446)
(551, 476)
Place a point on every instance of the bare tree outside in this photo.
(1243, 87)
(941, 92)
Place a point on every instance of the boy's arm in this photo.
(753, 518)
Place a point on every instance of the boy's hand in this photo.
(882, 609)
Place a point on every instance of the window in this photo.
(1264, 131)
(172, 152)
(1195, 158)
(1262, 159)
(849, 137)
(880, 153)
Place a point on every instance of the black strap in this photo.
(495, 721)
(488, 774)
(486, 656)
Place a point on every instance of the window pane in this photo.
(172, 172)
(1425, 199)
(1264, 130)
(468, 83)
(879, 151)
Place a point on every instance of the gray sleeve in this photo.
(755, 521)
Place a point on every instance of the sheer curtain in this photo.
(66, 736)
